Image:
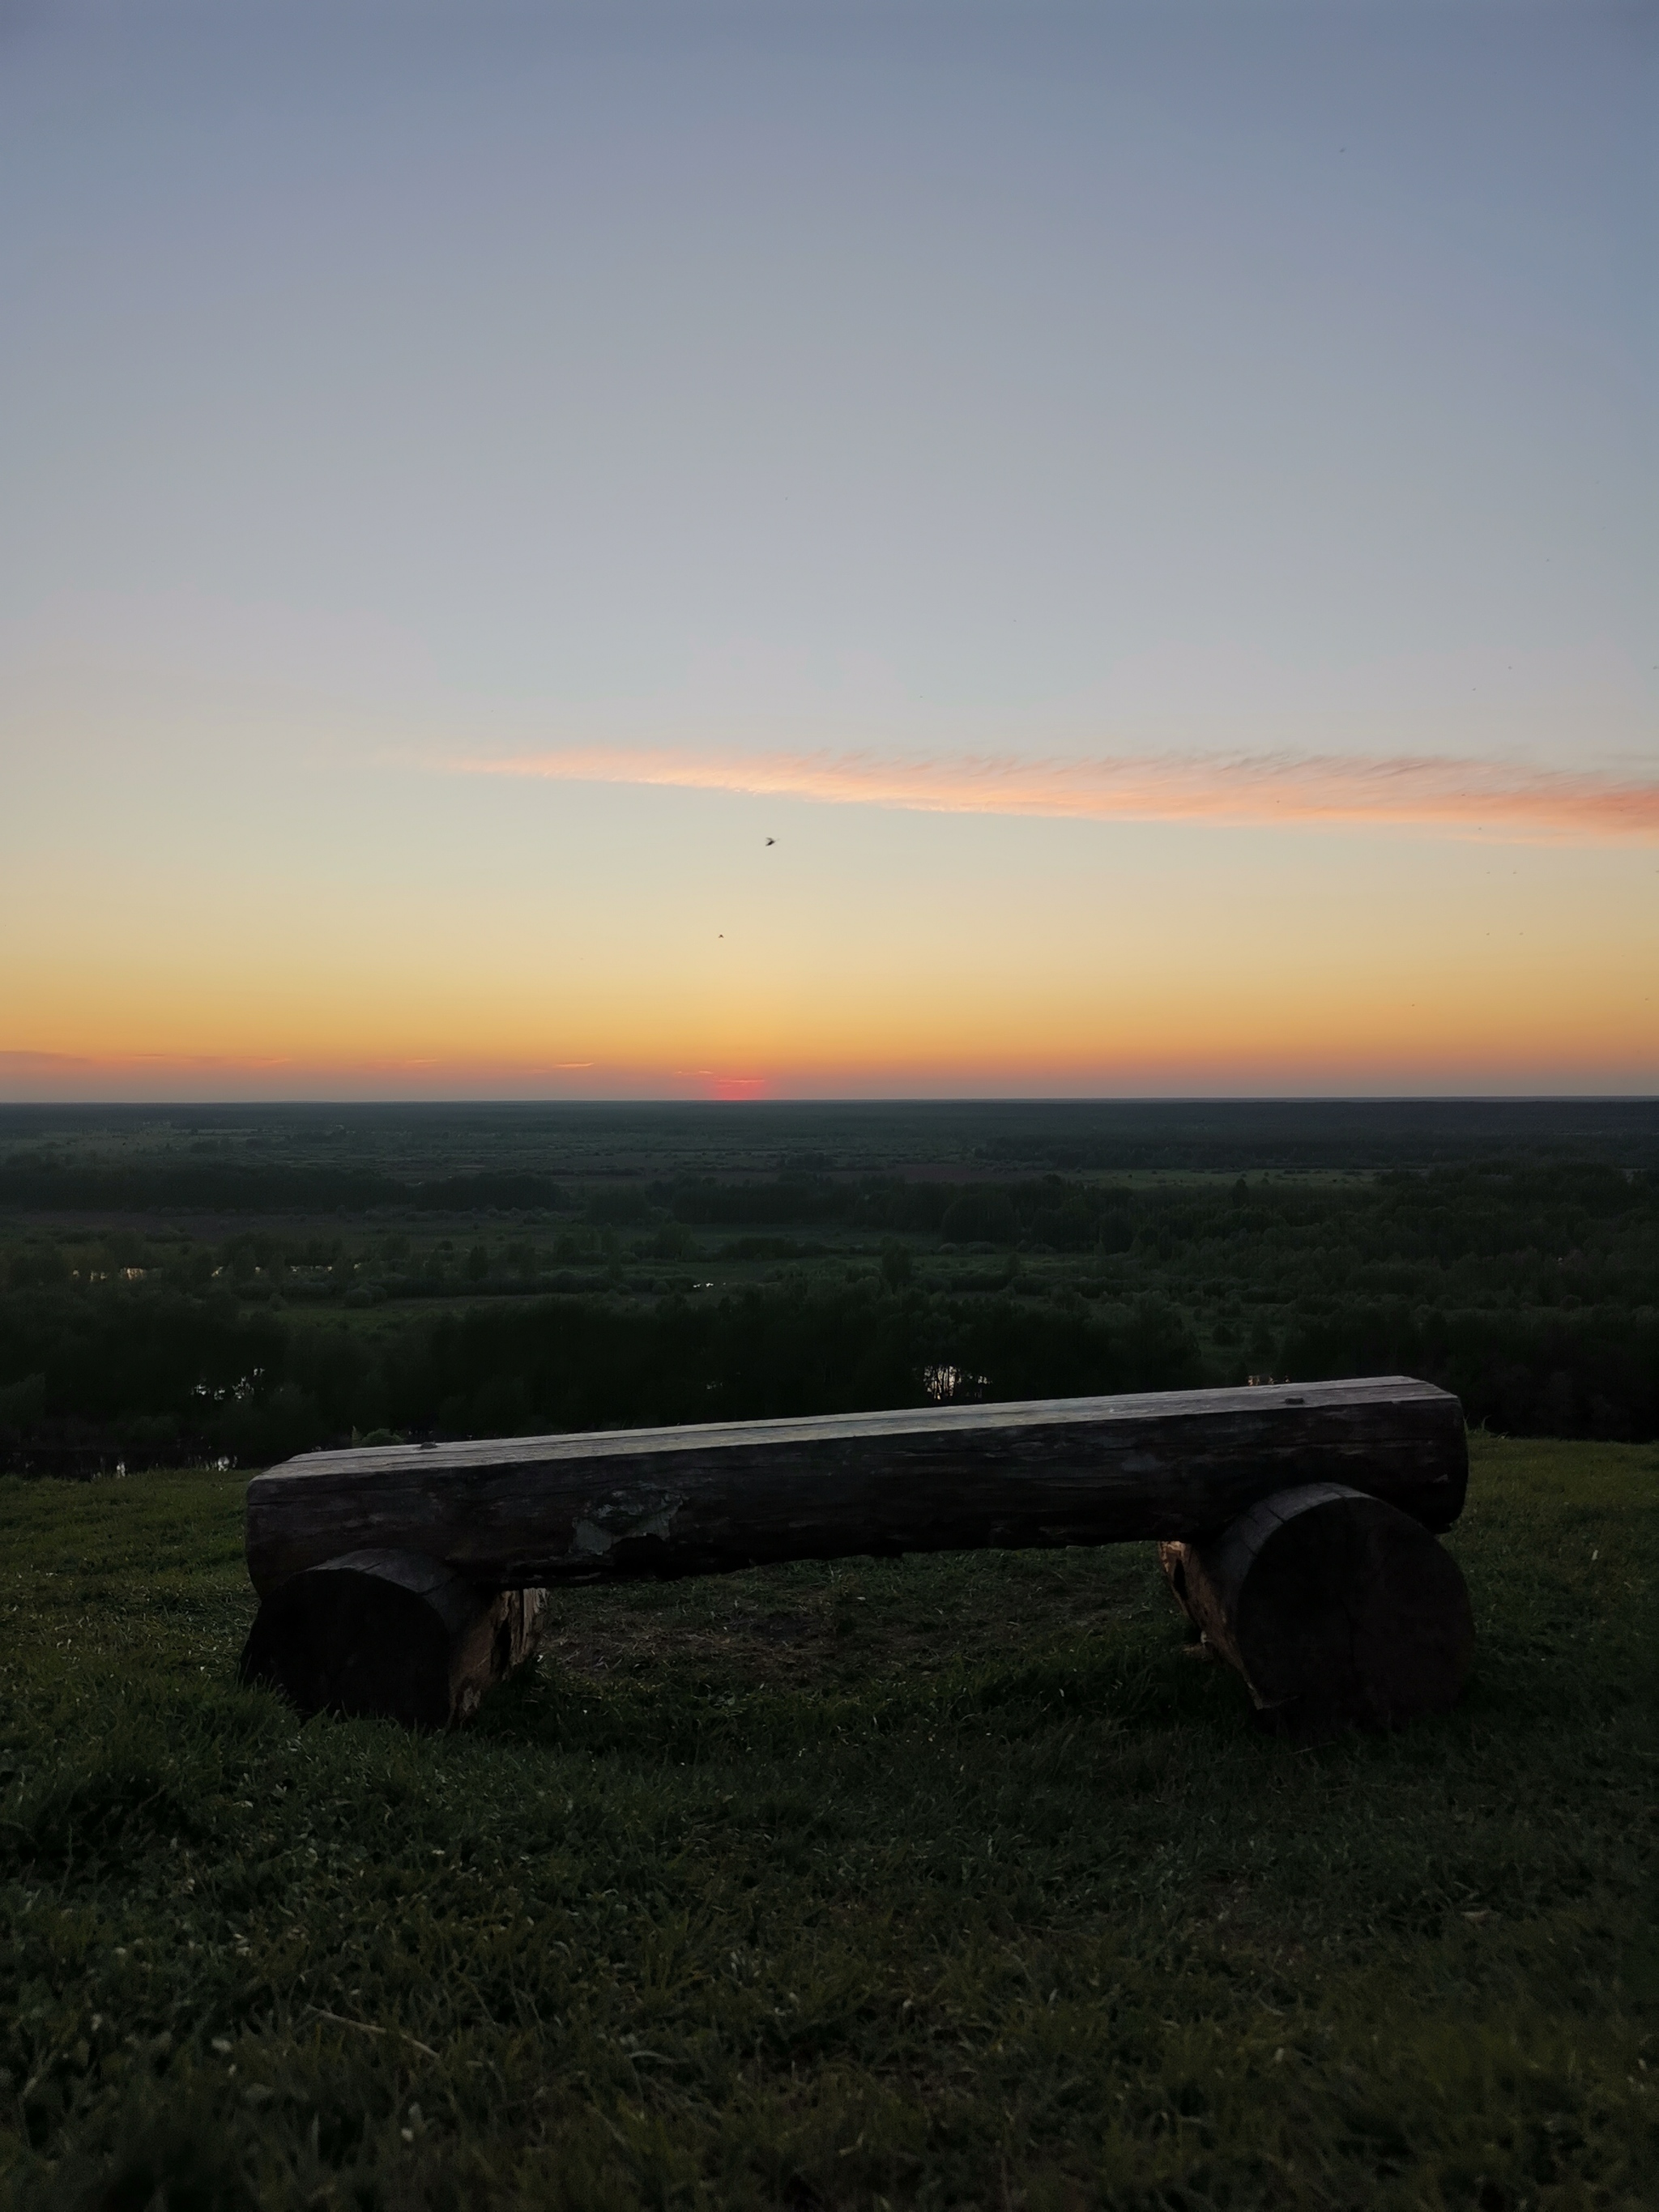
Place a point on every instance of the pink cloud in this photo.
(1461, 798)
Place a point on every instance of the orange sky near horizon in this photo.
(867, 951)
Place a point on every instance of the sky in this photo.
(827, 549)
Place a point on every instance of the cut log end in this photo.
(389, 1635)
(1334, 1607)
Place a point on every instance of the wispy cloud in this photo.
(1424, 792)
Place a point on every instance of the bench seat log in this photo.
(532, 1512)
(1334, 1607)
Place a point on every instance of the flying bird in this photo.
(771, 841)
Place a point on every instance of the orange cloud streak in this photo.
(1461, 798)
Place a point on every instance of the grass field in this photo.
(931, 1882)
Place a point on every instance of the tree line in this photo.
(30, 1182)
(160, 1377)
(1532, 1291)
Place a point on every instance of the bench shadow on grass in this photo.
(775, 1659)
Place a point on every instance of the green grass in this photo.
(931, 1882)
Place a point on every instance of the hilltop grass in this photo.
(935, 1882)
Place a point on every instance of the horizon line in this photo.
(873, 1099)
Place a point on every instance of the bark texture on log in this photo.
(1334, 1607)
(391, 1635)
(528, 1511)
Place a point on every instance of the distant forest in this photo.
(493, 1301)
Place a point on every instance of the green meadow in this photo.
(943, 1881)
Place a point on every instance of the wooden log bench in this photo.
(1297, 1525)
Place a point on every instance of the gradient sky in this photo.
(1153, 509)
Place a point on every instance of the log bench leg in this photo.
(391, 1636)
(1334, 1607)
